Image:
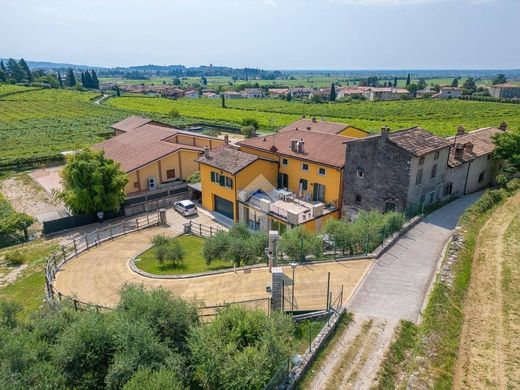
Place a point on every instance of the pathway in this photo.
(395, 288)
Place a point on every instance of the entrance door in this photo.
(224, 207)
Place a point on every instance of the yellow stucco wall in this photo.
(260, 153)
(132, 178)
(193, 140)
(259, 174)
(354, 132)
(315, 225)
(189, 165)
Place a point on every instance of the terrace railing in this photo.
(200, 230)
(88, 241)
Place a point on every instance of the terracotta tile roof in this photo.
(319, 126)
(481, 140)
(135, 149)
(228, 159)
(418, 141)
(131, 123)
(321, 148)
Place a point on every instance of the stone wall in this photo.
(386, 170)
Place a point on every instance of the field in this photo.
(38, 124)
(440, 116)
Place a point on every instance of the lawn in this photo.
(439, 116)
(29, 286)
(192, 263)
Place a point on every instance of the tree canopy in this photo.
(508, 149)
(499, 79)
(92, 183)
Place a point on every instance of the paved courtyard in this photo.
(97, 276)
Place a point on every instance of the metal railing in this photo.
(88, 241)
(200, 230)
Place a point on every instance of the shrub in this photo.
(174, 252)
(15, 257)
(211, 132)
(298, 243)
(174, 113)
(146, 378)
(253, 122)
(248, 131)
(215, 246)
(194, 177)
(159, 239)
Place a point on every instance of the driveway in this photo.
(396, 286)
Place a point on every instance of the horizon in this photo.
(270, 34)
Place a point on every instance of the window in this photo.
(283, 180)
(318, 192)
(436, 155)
(305, 167)
(170, 174)
(229, 182)
(215, 177)
(321, 171)
(136, 184)
(489, 157)
(481, 177)
(448, 189)
(360, 173)
(285, 162)
(418, 178)
(434, 171)
(421, 161)
(358, 199)
(303, 184)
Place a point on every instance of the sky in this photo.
(268, 34)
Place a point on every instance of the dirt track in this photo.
(97, 276)
(489, 350)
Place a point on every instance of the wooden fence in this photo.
(88, 241)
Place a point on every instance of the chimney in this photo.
(503, 126)
(459, 151)
(293, 145)
(469, 147)
(385, 133)
(314, 119)
(301, 144)
(226, 139)
(206, 152)
(461, 130)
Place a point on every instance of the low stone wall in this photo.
(317, 344)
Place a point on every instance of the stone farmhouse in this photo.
(385, 93)
(446, 92)
(412, 168)
(506, 91)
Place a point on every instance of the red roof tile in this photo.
(482, 142)
(131, 123)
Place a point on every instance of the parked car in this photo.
(185, 207)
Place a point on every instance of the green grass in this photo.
(193, 260)
(439, 116)
(28, 288)
(305, 331)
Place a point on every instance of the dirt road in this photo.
(489, 352)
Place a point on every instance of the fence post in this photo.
(75, 304)
(210, 231)
(110, 230)
(75, 246)
(124, 225)
(147, 219)
(54, 258)
(328, 290)
(137, 223)
(200, 229)
(64, 253)
(97, 236)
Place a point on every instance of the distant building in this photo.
(211, 95)
(192, 94)
(275, 92)
(385, 93)
(325, 127)
(448, 93)
(253, 93)
(232, 95)
(172, 93)
(350, 91)
(506, 91)
(301, 92)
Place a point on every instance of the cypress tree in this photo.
(223, 103)
(88, 80)
(15, 71)
(70, 79)
(60, 80)
(2, 76)
(2, 66)
(95, 80)
(395, 82)
(408, 80)
(332, 93)
(26, 69)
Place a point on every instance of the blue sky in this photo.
(270, 34)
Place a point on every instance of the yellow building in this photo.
(282, 180)
(154, 155)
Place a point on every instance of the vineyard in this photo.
(38, 124)
(438, 116)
